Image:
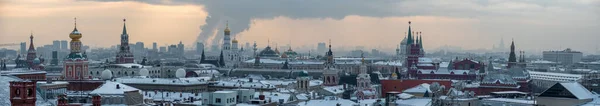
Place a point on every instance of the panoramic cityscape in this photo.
(299, 53)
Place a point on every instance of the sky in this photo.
(535, 25)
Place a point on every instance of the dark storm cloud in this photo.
(240, 13)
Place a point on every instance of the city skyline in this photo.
(554, 26)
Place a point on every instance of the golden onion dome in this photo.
(75, 35)
(234, 40)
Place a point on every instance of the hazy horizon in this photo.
(469, 24)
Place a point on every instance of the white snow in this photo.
(328, 101)
(110, 88)
(338, 89)
(418, 89)
(392, 63)
(521, 101)
(414, 102)
(578, 90)
(177, 81)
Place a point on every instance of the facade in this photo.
(330, 73)
(22, 48)
(545, 80)
(220, 98)
(363, 84)
(22, 93)
(75, 65)
(64, 45)
(124, 55)
(50, 89)
(302, 82)
(114, 93)
(566, 56)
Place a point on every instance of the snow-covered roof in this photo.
(164, 81)
(21, 71)
(414, 102)
(578, 90)
(542, 62)
(130, 65)
(425, 60)
(392, 63)
(328, 101)
(561, 77)
(243, 84)
(274, 96)
(405, 96)
(338, 89)
(521, 101)
(509, 92)
(110, 88)
(418, 89)
(444, 71)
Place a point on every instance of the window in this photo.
(218, 100)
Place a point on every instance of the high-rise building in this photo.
(321, 47)
(180, 48)
(163, 49)
(64, 45)
(76, 63)
(139, 46)
(23, 47)
(173, 49)
(55, 45)
(124, 55)
(199, 47)
(154, 47)
(54, 61)
(566, 56)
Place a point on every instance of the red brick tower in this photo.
(22, 93)
(96, 100)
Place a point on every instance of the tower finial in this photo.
(75, 19)
(329, 43)
(409, 23)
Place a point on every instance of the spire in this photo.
(227, 27)
(31, 47)
(75, 24)
(410, 37)
(512, 57)
(362, 55)
(124, 29)
(421, 39)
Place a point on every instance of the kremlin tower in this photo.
(330, 74)
(76, 63)
(124, 55)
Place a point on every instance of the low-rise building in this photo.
(219, 98)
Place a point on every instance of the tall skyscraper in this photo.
(23, 47)
(55, 45)
(76, 64)
(64, 45)
(321, 48)
(154, 47)
(124, 55)
(199, 47)
(163, 49)
(180, 48)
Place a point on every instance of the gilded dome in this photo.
(234, 40)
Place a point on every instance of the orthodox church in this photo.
(231, 53)
(76, 63)
(31, 61)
